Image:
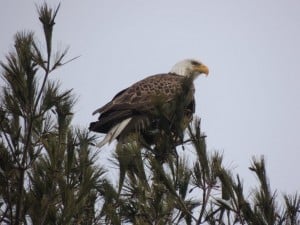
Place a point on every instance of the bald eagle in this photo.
(142, 106)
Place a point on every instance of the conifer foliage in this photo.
(49, 174)
(47, 169)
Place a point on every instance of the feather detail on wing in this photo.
(140, 95)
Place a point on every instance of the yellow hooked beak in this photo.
(202, 69)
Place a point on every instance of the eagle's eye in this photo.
(195, 63)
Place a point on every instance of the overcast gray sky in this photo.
(249, 105)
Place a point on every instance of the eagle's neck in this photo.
(180, 70)
(184, 70)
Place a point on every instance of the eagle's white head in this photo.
(190, 68)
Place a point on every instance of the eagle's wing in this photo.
(135, 106)
(140, 96)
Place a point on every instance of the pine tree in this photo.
(176, 191)
(47, 170)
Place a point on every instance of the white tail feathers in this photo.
(114, 132)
